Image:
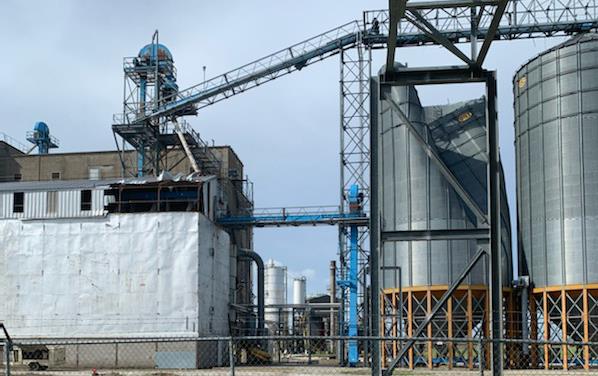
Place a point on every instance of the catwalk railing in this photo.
(14, 143)
(293, 216)
(268, 355)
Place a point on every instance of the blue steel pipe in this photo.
(355, 208)
(141, 150)
(353, 266)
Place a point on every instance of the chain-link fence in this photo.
(288, 356)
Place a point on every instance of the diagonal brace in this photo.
(437, 307)
(491, 33)
(427, 28)
(444, 170)
(397, 11)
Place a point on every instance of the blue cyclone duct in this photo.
(41, 138)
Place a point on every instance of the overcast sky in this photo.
(62, 63)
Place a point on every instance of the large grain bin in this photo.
(414, 195)
(556, 129)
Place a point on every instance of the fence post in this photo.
(7, 351)
(481, 355)
(231, 356)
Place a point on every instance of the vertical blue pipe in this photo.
(353, 267)
(142, 94)
(141, 150)
(140, 160)
(42, 146)
(354, 207)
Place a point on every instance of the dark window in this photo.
(18, 202)
(56, 176)
(86, 199)
(18, 177)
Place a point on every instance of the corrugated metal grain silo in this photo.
(414, 195)
(556, 129)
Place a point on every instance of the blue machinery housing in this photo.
(41, 138)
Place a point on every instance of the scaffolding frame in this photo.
(355, 73)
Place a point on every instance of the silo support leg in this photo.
(586, 330)
(565, 349)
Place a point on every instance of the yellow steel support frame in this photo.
(486, 327)
(562, 295)
(382, 329)
(395, 323)
(469, 328)
(546, 326)
(410, 325)
(565, 354)
(449, 318)
(426, 293)
(586, 330)
(429, 329)
(533, 331)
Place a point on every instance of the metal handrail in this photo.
(13, 142)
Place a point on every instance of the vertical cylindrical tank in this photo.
(299, 290)
(415, 195)
(275, 277)
(556, 140)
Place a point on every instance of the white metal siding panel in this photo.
(6, 205)
(120, 275)
(35, 205)
(97, 201)
(67, 206)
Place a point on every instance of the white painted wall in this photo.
(141, 274)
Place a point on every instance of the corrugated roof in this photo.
(55, 185)
(58, 185)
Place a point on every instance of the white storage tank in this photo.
(275, 289)
(299, 290)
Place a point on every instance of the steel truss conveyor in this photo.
(452, 19)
